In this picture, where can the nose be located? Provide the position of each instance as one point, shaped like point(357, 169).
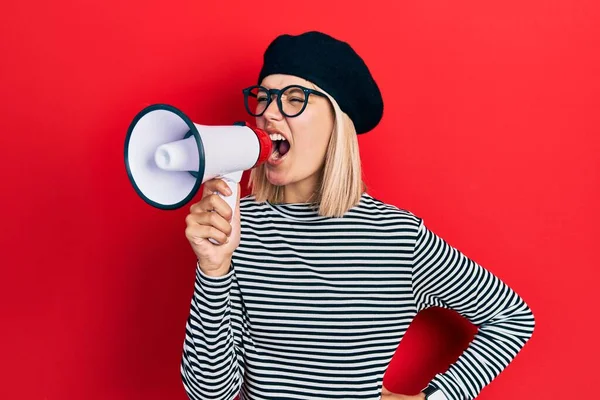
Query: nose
point(272, 112)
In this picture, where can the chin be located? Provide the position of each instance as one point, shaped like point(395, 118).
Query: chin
point(276, 178)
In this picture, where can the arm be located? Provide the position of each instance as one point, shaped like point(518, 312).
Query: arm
point(444, 277)
point(210, 368)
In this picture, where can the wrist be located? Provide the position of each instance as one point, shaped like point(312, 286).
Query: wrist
point(432, 392)
point(216, 272)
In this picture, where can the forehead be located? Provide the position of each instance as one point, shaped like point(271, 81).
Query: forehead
point(278, 81)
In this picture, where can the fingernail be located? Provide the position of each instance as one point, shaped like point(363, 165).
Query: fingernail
point(229, 192)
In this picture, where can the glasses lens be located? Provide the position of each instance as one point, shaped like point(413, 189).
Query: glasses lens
point(292, 101)
point(256, 100)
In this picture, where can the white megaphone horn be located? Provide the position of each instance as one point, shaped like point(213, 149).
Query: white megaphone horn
point(168, 157)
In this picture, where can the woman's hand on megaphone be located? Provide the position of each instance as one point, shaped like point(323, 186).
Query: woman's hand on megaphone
point(212, 217)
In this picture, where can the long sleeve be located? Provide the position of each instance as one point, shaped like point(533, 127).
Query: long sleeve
point(211, 366)
point(444, 277)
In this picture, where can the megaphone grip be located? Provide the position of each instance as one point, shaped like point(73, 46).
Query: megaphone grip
point(232, 181)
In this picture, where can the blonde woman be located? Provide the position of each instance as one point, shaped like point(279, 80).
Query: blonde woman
point(315, 282)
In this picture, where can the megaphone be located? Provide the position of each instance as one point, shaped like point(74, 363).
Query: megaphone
point(168, 157)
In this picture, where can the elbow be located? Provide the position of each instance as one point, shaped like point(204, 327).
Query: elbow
point(530, 321)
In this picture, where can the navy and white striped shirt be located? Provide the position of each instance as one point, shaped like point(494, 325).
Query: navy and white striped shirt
point(315, 307)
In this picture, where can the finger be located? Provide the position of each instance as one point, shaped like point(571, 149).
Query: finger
point(199, 233)
point(209, 219)
point(213, 202)
point(219, 205)
point(216, 185)
point(199, 207)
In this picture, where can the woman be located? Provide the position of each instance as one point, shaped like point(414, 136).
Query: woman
point(315, 282)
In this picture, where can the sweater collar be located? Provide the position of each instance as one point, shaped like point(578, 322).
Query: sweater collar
point(303, 211)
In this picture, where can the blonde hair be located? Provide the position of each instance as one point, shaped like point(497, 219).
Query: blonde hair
point(340, 182)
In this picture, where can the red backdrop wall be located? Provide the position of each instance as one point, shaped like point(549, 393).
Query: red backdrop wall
point(490, 133)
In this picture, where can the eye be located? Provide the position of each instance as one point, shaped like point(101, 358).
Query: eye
point(296, 100)
point(261, 98)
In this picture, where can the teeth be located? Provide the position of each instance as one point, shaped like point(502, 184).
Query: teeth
point(276, 136)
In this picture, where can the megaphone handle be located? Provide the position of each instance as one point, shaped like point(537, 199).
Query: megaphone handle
point(232, 181)
point(231, 199)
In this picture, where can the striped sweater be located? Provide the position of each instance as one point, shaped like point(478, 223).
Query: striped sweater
point(315, 307)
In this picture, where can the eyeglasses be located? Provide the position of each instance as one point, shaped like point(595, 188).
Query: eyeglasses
point(291, 100)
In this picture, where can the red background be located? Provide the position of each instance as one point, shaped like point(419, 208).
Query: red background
point(490, 134)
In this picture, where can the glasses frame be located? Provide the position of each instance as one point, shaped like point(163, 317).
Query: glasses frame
point(277, 92)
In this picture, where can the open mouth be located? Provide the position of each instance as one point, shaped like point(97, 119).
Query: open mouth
point(280, 146)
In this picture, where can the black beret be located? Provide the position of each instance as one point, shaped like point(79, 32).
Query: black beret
point(332, 65)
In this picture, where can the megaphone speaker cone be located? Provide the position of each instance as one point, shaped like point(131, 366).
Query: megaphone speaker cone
point(162, 146)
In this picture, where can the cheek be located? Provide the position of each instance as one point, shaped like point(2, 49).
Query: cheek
point(260, 122)
point(312, 132)
point(311, 149)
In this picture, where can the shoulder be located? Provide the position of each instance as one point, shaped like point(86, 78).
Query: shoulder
point(371, 207)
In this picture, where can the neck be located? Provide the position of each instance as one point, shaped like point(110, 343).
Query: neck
point(302, 191)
